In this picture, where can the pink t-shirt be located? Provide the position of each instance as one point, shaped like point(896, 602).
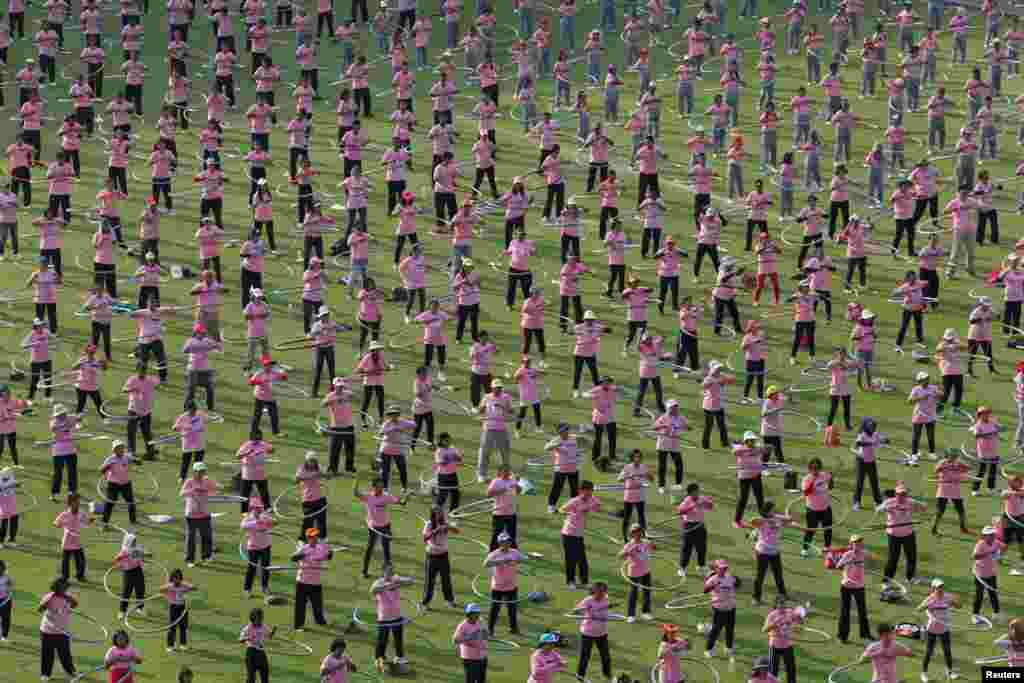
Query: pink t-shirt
point(924, 409)
point(71, 523)
point(196, 493)
point(576, 514)
point(257, 528)
point(504, 493)
point(312, 562)
point(595, 616)
point(638, 558)
point(504, 568)
point(377, 515)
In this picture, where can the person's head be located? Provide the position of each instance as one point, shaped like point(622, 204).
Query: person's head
point(198, 470)
point(73, 501)
point(312, 536)
point(176, 576)
point(901, 490)
point(983, 176)
point(721, 567)
point(636, 532)
point(256, 616)
point(59, 585)
point(983, 414)
point(599, 589)
point(814, 465)
point(338, 646)
point(377, 485)
point(586, 489)
point(1015, 629)
point(120, 638)
point(636, 456)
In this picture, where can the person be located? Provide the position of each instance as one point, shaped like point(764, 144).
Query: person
point(175, 591)
point(839, 386)
point(502, 563)
point(604, 398)
point(446, 461)
point(851, 560)
point(310, 557)
point(495, 408)
point(199, 373)
point(435, 536)
point(37, 343)
point(263, 382)
point(9, 522)
point(816, 486)
point(115, 471)
point(63, 451)
point(387, 593)
point(393, 434)
point(938, 604)
point(378, 519)
point(565, 451)
point(56, 608)
point(637, 570)
point(979, 335)
point(923, 397)
point(252, 455)
point(308, 476)
point(255, 635)
point(769, 527)
point(526, 377)
point(593, 613)
point(471, 638)
point(257, 524)
point(1013, 643)
point(722, 585)
point(713, 384)
point(883, 654)
point(947, 352)
point(71, 521)
point(131, 561)
point(337, 665)
point(341, 430)
point(899, 511)
point(196, 491)
point(949, 474)
point(192, 426)
point(573, 544)
point(546, 661)
point(779, 625)
point(750, 459)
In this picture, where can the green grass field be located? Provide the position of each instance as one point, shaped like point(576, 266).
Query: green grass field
point(220, 608)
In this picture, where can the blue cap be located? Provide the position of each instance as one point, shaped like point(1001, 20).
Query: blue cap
point(548, 639)
point(472, 608)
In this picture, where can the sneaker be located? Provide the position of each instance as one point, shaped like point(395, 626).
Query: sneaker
point(804, 552)
point(480, 479)
point(191, 565)
point(517, 432)
point(551, 509)
point(44, 678)
point(248, 594)
point(453, 604)
point(575, 393)
point(661, 490)
point(677, 487)
point(855, 506)
point(924, 677)
point(933, 456)
point(918, 580)
point(977, 620)
point(681, 573)
point(170, 649)
point(11, 544)
point(183, 648)
point(442, 377)
point(571, 585)
point(121, 616)
point(407, 319)
point(708, 654)
point(630, 620)
point(952, 675)
point(647, 616)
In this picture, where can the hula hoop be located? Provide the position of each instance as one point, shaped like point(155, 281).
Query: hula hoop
point(403, 622)
point(673, 532)
point(802, 435)
point(835, 522)
point(478, 507)
point(301, 649)
point(652, 587)
point(83, 615)
point(612, 616)
point(151, 498)
point(160, 630)
point(321, 428)
point(842, 670)
point(689, 601)
point(820, 635)
point(388, 537)
point(275, 508)
point(525, 594)
point(113, 418)
point(715, 676)
point(111, 593)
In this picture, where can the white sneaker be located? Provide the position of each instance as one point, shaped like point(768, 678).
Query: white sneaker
point(551, 509)
point(44, 678)
point(661, 490)
point(681, 573)
point(571, 585)
point(183, 648)
point(442, 377)
point(170, 649)
point(933, 456)
point(856, 506)
point(804, 552)
point(190, 565)
point(407, 320)
point(647, 616)
point(10, 544)
point(575, 393)
point(480, 479)
point(677, 487)
point(709, 653)
point(120, 616)
point(918, 580)
point(952, 675)
point(630, 620)
point(977, 620)
point(703, 571)
point(924, 677)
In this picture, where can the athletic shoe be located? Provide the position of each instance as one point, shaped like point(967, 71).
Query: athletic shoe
point(681, 573)
point(647, 616)
point(661, 490)
point(924, 677)
point(952, 675)
point(170, 649)
point(918, 580)
point(183, 648)
point(977, 620)
point(677, 487)
point(630, 620)
point(709, 653)
point(551, 509)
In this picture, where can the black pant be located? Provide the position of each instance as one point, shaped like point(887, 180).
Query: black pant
point(905, 225)
point(723, 306)
point(677, 460)
point(854, 264)
point(834, 209)
point(575, 553)
point(60, 463)
point(577, 373)
point(413, 294)
point(650, 242)
point(536, 416)
point(65, 564)
point(559, 481)
point(216, 207)
point(478, 386)
point(395, 190)
point(510, 599)
point(314, 514)
point(711, 250)
point(384, 631)
point(940, 510)
point(918, 318)
point(324, 19)
point(986, 218)
point(445, 207)
point(816, 518)
point(556, 197)
point(40, 371)
point(586, 645)
point(671, 284)
point(616, 274)
point(48, 311)
point(187, 458)
point(659, 397)
point(929, 649)
point(755, 371)
point(213, 263)
point(915, 439)
point(800, 331)
point(448, 490)
point(400, 242)
point(1011, 316)
point(424, 419)
point(599, 432)
point(952, 385)
point(869, 470)
point(155, 349)
point(784, 655)
point(472, 314)
point(382, 533)
point(897, 545)
point(518, 279)
point(722, 619)
point(746, 485)
point(834, 407)
point(261, 486)
point(973, 347)
point(386, 461)
point(200, 378)
point(369, 391)
point(475, 669)
point(55, 644)
point(256, 664)
point(143, 423)
point(9, 529)
point(259, 406)
point(710, 418)
point(504, 523)
point(982, 467)
point(102, 331)
point(5, 618)
point(634, 591)
point(979, 593)
point(133, 582)
point(687, 350)
point(314, 595)
point(21, 178)
point(115, 491)
point(931, 204)
point(438, 565)
point(627, 516)
point(646, 181)
point(695, 538)
point(343, 437)
point(204, 527)
point(846, 597)
point(595, 169)
point(563, 312)
point(607, 213)
point(773, 444)
point(764, 562)
point(368, 329)
point(324, 355)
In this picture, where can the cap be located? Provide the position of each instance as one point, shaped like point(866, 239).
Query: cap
point(988, 531)
point(497, 383)
point(772, 390)
point(761, 664)
point(749, 436)
point(722, 564)
point(571, 202)
point(467, 263)
point(938, 583)
point(338, 382)
point(376, 346)
point(408, 196)
point(59, 409)
point(504, 537)
point(548, 639)
point(856, 538)
point(322, 311)
point(812, 263)
point(310, 455)
point(198, 328)
point(901, 487)
point(90, 347)
point(949, 334)
point(312, 533)
point(150, 256)
point(393, 410)
point(714, 366)
point(117, 443)
point(672, 404)
point(982, 410)
point(472, 608)
point(921, 376)
point(635, 527)
point(315, 260)
point(199, 467)
point(589, 315)
point(985, 301)
point(563, 427)
point(866, 314)
point(266, 360)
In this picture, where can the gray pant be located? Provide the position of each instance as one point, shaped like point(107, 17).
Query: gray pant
point(736, 180)
point(803, 129)
point(963, 249)
point(965, 167)
point(989, 143)
point(769, 147)
point(490, 440)
point(684, 98)
point(257, 343)
point(876, 184)
point(1018, 438)
point(937, 133)
point(841, 149)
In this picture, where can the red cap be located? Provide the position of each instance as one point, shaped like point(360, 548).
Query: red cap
point(266, 360)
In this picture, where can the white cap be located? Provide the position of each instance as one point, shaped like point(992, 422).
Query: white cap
point(376, 346)
point(322, 311)
point(749, 436)
point(938, 583)
point(672, 404)
point(256, 292)
point(714, 366)
point(985, 301)
point(59, 409)
point(950, 333)
point(589, 315)
point(866, 314)
point(116, 444)
point(988, 531)
point(921, 376)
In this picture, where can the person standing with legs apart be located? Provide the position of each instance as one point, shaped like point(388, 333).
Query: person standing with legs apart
point(668, 428)
point(851, 560)
point(722, 586)
point(378, 519)
point(255, 635)
point(750, 459)
point(635, 477)
point(471, 638)
point(695, 534)
point(779, 625)
point(175, 591)
point(257, 524)
point(387, 594)
point(899, 511)
point(56, 609)
point(63, 450)
point(310, 557)
point(769, 527)
point(593, 614)
point(71, 521)
point(503, 565)
point(713, 384)
point(115, 471)
point(196, 492)
point(573, 544)
point(949, 474)
point(435, 537)
point(938, 604)
point(987, 552)
point(816, 488)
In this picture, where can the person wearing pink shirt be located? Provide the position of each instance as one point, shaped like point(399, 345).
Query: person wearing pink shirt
point(565, 451)
point(712, 387)
point(252, 455)
point(722, 586)
point(769, 527)
point(840, 367)
point(45, 281)
point(979, 334)
point(767, 252)
point(531, 323)
point(947, 353)
point(1012, 277)
point(387, 594)
point(519, 251)
point(603, 398)
point(899, 509)
point(855, 234)
point(341, 430)
point(72, 521)
point(691, 511)
point(481, 358)
point(371, 367)
point(115, 471)
point(56, 607)
point(949, 474)
point(192, 426)
point(311, 557)
point(378, 519)
point(938, 605)
point(141, 394)
point(470, 637)
point(435, 535)
point(526, 377)
point(323, 336)
point(670, 650)
point(196, 491)
point(175, 591)
point(986, 432)
point(130, 560)
point(337, 666)
point(263, 382)
point(394, 436)
point(37, 343)
point(593, 613)
point(257, 524)
point(588, 335)
point(816, 487)
point(446, 463)
point(87, 380)
point(636, 554)
point(573, 544)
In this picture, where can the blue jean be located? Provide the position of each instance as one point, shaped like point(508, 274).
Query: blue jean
point(608, 21)
point(749, 8)
point(567, 26)
point(348, 55)
point(421, 57)
point(525, 23)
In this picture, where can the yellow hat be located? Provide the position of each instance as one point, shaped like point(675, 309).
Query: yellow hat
point(772, 390)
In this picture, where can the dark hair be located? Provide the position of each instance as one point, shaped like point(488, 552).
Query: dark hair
point(586, 485)
point(256, 615)
point(884, 627)
point(338, 644)
point(692, 488)
point(176, 574)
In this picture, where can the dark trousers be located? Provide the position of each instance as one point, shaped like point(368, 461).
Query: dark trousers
point(918, 318)
point(599, 431)
point(867, 470)
point(115, 491)
point(947, 649)
point(156, 350)
point(49, 312)
point(905, 226)
point(178, 615)
point(475, 669)
point(801, 331)
point(559, 481)
point(723, 306)
point(575, 554)
point(144, 424)
point(261, 486)
point(65, 564)
point(510, 599)
point(324, 356)
point(1011, 317)
point(979, 593)
point(897, 545)
point(991, 478)
point(204, 528)
point(595, 170)
point(424, 420)
point(400, 242)
point(650, 242)
point(445, 207)
point(746, 486)
point(478, 386)
point(931, 204)
point(200, 378)
point(384, 631)
point(438, 565)
point(973, 347)
point(952, 385)
point(616, 274)
point(472, 314)
point(587, 643)
point(846, 597)
point(774, 445)
point(722, 620)
point(577, 373)
point(777, 655)
point(710, 418)
point(834, 210)
point(40, 371)
point(695, 539)
point(671, 284)
point(687, 351)
point(764, 562)
point(940, 510)
point(915, 439)
point(815, 519)
point(377, 533)
point(448, 491)
point(518, 279)
point(314, 595)
point(314, 515)
point(369, 391)
point(635, 583)
point(985, 219)
point(55, 645)
point(344, 438)
point(133, 582)
point(556, 197)
point(270, 407)
point(60, 463)
point(256, 665)
point(399, 462)
point(9, 531)
point(755, 372)
point(677, 460)
point(834, 408)
point(659, 396)
point(563, 312)
point(627, 516)
point(101, 331)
